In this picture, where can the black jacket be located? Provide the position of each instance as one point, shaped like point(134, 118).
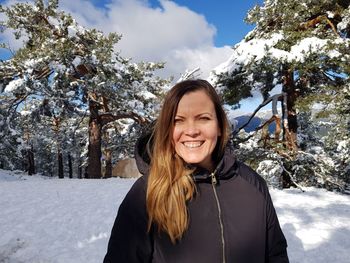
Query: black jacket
point(231, 221)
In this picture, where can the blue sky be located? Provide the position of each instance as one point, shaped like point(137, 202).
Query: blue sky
point(227, 16)
point(184, 34)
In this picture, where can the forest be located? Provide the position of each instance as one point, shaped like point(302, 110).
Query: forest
point(72, 106)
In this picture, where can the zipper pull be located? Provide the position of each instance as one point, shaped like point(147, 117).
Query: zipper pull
point(213, 178)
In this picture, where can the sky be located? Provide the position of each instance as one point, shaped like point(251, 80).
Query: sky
point(184, 34)
point(227, 16)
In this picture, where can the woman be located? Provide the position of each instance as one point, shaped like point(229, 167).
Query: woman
point(194, 202)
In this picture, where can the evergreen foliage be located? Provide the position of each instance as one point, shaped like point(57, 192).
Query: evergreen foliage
point(10, 140)
point(74, 83)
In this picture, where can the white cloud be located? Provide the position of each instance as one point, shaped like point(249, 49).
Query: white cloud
point(205, 57)
point(7, 36)
point(171, 33)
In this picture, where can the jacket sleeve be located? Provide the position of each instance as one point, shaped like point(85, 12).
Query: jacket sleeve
point(276, 242)
point(129, 241)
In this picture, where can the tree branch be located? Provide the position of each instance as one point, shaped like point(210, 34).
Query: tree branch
point(274, 98)
point(290, 176)
point(109, 117)
point(313, 22)
point(16, 102)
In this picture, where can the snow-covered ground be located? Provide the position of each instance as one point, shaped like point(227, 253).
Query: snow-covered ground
point(50, 220)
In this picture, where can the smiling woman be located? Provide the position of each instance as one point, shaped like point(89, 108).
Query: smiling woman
point(195, 202)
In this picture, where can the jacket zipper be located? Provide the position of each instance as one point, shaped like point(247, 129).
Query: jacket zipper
point(213, 183)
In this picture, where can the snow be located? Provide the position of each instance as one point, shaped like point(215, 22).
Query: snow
point(58, 67)
point(13, 85)
point(306, 45)
point(25, 112)
point(342, 25)
point(342, 145)
point(31, 63)
point(70, 93)
point(74, 30)
point(271, 171)
point(330, 14)
point(146, 95)
point(245, 51)
point(69, 220)
point(253, 50)
point(137, 105)
point(51, 220)
point(76, 61)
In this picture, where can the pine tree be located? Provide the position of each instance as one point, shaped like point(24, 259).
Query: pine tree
point(71, 69)
point(302, 46)
point(10, 139)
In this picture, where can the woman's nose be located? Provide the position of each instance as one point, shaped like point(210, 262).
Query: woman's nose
point(191, 130)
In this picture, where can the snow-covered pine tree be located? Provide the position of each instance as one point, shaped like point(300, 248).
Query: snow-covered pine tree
point(73, 69)
point(337, 142)
point(301, 48)
point(10, 139)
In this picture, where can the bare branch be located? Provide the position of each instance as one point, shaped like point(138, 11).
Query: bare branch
point(290, 176)
point(274, 99)
point(16, 102)
point(313, 22)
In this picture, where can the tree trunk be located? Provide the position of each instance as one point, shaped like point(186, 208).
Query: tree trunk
point(94, 149)
point(70, 166)
point(60, 164)
point(30, 160)
point(96, 122)
point(289, 88)
point(108, 169)
point(86, 172)
point(80, 171)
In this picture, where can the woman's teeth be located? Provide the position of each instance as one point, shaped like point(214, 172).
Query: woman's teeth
point(192, 144)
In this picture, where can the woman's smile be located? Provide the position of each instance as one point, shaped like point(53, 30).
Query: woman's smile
point(193, 144)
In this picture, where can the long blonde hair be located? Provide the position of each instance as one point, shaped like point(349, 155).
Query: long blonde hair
point(170, 185)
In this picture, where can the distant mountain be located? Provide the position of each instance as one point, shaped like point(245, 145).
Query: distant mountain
point(258, 120)
point(253, 124)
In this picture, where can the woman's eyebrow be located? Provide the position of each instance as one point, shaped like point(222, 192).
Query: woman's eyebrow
point(199, 114)
point(205, 113)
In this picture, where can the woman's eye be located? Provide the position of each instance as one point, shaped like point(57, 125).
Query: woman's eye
point(177, 120)
point(204, 118)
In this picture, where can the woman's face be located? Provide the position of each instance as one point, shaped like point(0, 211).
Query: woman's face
point(196, 129)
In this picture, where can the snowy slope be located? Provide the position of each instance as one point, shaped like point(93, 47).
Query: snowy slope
point(51, 220)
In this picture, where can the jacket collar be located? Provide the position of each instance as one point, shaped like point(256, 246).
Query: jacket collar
point(225, 169)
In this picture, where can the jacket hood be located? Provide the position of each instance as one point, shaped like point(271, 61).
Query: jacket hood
point(225, 169)
point(142, 153)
